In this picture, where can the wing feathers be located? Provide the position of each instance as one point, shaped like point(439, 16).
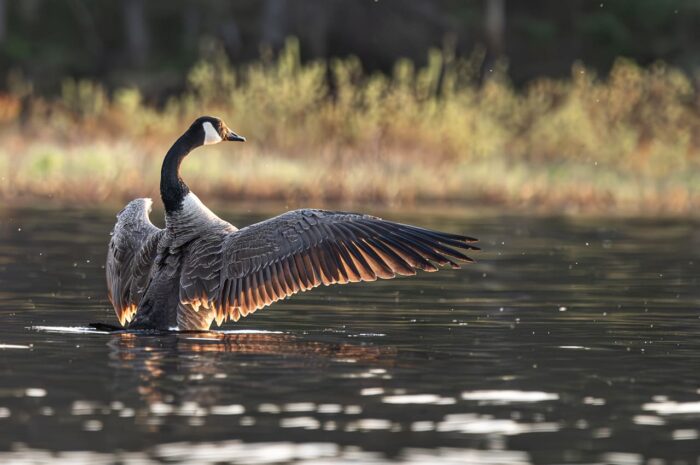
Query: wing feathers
point(303, 249)
point(131, 253)
point(364, 269)
point(410, 255)
point(349, 267)
point(291, 276)
point(381, 269)
point(396, 262)
point(300, 270)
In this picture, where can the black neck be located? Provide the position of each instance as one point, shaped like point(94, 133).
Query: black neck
point(172, 188)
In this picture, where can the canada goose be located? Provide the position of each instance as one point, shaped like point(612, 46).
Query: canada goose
point(201, 269)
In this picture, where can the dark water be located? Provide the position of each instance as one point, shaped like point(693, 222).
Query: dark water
point(571, 341)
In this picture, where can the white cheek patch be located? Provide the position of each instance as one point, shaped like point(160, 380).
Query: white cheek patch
point(211, 135)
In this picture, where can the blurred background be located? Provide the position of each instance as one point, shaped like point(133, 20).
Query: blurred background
point(561, 106)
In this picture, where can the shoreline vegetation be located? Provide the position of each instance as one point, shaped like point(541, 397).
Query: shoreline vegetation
point(327, 132)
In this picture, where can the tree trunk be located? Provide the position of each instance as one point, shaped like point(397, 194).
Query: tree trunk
point(495, 22)
point(273, 23)
point(3, 20)
point(136, 31)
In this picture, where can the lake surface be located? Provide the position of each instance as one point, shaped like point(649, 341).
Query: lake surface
point(570, 341)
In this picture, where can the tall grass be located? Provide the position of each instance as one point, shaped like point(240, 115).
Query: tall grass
point(330, 131)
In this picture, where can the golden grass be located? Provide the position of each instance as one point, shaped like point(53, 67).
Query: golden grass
point(629, 142)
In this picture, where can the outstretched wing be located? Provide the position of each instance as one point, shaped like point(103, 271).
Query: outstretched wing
point(132, 250)
point(302, 249)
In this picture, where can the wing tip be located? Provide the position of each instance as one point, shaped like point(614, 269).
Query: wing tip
point(125, 315)
point(137, 208)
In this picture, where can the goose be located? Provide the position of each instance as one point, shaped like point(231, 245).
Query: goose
point(200, 269)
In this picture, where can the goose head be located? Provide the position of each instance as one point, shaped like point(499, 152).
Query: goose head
point(207, 130)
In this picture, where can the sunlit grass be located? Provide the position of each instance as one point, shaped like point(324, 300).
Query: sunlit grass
point(628, 142)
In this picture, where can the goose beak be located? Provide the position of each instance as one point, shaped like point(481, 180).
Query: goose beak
point(232, 136)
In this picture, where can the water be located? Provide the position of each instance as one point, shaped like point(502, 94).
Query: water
point(571, 341)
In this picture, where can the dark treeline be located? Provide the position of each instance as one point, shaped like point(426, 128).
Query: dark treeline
point(152, 43)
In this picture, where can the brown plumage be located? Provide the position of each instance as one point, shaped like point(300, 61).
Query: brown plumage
point(201, 269)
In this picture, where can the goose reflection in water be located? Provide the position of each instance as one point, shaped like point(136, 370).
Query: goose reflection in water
point(158, 365)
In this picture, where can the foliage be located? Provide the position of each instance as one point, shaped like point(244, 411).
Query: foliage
point(329, 130)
